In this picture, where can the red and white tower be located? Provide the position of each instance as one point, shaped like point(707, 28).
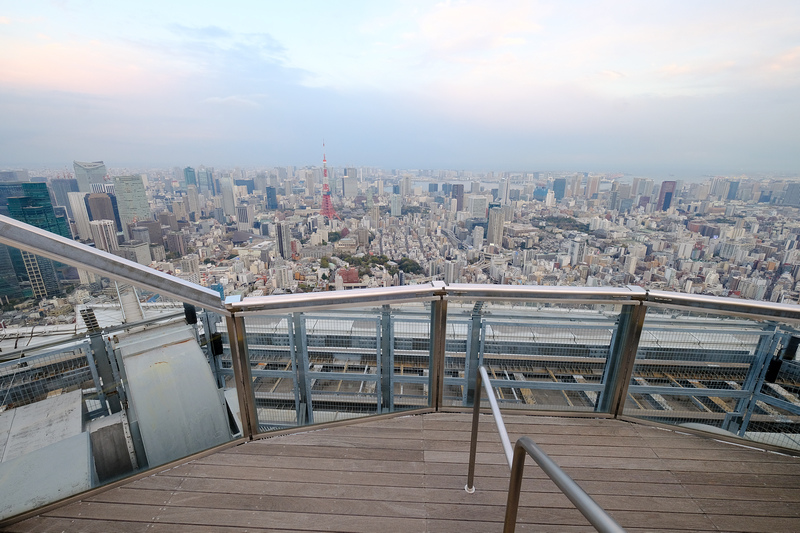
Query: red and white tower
point(327, 209)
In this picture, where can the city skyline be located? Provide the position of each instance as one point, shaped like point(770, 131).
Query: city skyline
point(659, 89)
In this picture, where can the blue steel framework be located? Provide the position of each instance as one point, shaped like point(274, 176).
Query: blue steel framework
point(617, 352)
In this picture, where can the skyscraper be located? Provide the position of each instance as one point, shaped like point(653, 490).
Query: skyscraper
point(559, 188)
point(228, 200)
point(132, 201)
point(458, 194)
point(60, 188)
point(665, 196)
point(284, 240)
point(503, 192)
point(495, 230)
point(88, 173)
point(189, 176)
point(80, 214)
point(104, 235)
point(101, 208)
point(397, 205)
point(35, 208)
point(272, 198)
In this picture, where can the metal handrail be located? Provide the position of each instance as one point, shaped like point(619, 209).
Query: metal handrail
point(46, 244)
point(596, 515)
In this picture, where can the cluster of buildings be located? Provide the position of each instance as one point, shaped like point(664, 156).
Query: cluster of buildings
point(272, 230)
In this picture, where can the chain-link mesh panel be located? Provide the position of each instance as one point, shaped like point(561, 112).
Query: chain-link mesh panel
point(697, 368)
point(411, 345)
point(32, 378)
point(775, 415)
point(543, 356)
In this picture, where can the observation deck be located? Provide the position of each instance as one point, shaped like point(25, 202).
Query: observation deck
point(348, 411)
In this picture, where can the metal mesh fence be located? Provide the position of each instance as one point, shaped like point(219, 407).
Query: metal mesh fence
point(703, 369)
point(332, 365)
point(32, 378)
point(543, 356)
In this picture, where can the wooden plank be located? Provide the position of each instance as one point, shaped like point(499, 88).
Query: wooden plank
point(319, 463)
point(410, 477)
point(755, 523)
point(308, 521)
point(329, 450)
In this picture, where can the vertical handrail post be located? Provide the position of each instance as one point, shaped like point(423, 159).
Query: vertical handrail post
point(473, 440)
point(240, 360)
point(473, 357)
point(514, 489)
point(303, 365)
point(621, 359)
point(386, 360)
point(437, 352)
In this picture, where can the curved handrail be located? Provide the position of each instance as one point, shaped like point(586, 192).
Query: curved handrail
point(596, 515)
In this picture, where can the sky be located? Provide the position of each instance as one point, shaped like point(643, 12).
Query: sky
point(677, 88)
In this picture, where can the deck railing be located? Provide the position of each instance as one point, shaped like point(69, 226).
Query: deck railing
point(596, 515)
point(715, 364)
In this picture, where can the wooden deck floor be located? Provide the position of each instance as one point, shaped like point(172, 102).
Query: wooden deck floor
point(408, 474)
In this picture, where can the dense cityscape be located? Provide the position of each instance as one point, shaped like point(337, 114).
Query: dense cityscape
point(253, 232)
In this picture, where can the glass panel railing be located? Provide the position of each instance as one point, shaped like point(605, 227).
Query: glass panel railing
point(707, 371)
point(107, 402)
point(539, 356)
point(323, 366)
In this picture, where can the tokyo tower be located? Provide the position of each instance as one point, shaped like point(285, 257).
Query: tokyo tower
point(327, 209)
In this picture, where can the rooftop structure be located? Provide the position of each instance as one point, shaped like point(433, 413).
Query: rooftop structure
point(609, 380)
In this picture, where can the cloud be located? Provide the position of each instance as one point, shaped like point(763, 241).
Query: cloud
point(234, 100)
point(5, 20)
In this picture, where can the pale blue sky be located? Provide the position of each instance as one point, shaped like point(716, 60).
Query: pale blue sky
point(658, 87)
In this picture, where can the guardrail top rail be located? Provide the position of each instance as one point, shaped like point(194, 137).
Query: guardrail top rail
point(596, 515)
point(46, 244)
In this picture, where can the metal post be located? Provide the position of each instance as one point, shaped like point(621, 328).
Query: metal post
point(589, 508)
point(102, 359)
point(437, 352)
point(386, 360)
point(473, 440)
point(98, 383)
point(210, 328)
point(242, 375)
point(303, 381)
point(621, 359)
point(473, 357)
point(755, 380)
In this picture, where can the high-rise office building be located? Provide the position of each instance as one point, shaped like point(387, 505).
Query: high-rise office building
point(559, 188)
point(349, 187)
point(396, 205)
point(131, 201)
point(666, 195)
point(60, 188)
point(101, 208)
point(477, 206)
point(477, 237)
point(284, 240)
point(272, 198)
point(193, 198)
point(189, 176)
point(228, 200)
point(458, 194)
point(80, 214)
point(104, 235)
point(495, 230)
point(504, 191)
point(791, 195)
point(592, 186)
point(88, 173)
point(205, 180)
point(34, 207)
